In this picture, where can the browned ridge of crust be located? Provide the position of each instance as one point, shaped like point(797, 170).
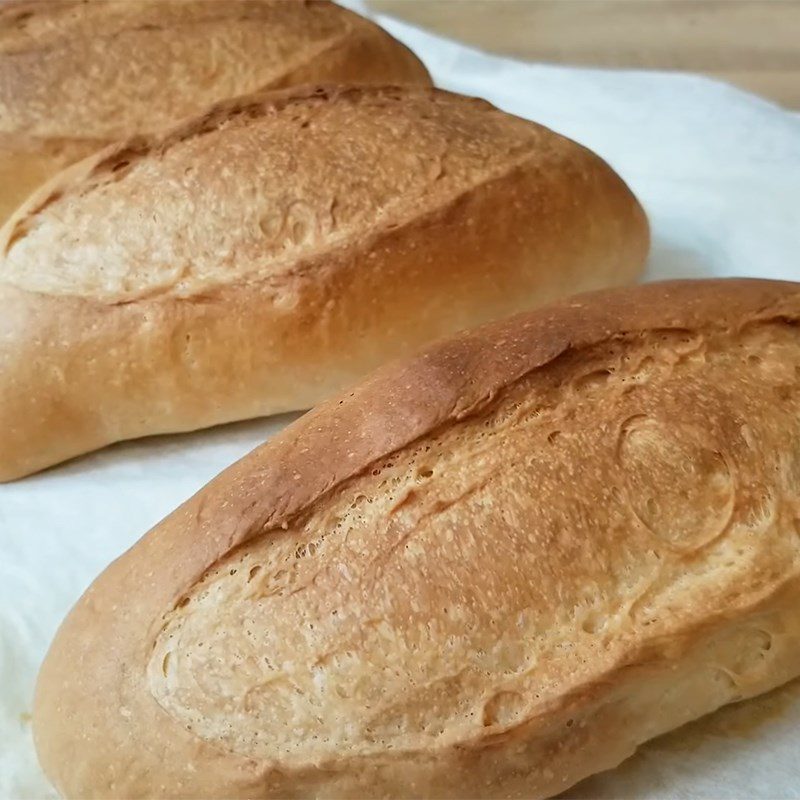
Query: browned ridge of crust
point(261, 256)
point(489, 570)
point(75, 76)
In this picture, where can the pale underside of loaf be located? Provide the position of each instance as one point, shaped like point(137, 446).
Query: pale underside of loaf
point(488, 572)
point(75, 76)
point(264, 255)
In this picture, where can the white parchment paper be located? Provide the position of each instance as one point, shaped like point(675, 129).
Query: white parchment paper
point(718, 171)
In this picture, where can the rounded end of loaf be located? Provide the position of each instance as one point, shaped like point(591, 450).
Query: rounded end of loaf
point(367, 56)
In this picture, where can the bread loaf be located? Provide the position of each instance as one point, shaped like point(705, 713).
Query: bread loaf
point(76, 75)
point(271, 251)
point(487, 571)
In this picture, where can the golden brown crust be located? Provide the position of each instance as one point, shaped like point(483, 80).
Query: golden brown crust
point(592, 509)
point(79, 74)
point(260, 257)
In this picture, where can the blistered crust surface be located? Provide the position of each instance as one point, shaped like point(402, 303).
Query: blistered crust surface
point(460, 586)
point(149, 62)
point(253, 191)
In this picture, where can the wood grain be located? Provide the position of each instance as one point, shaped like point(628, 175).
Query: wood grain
point(754, 44)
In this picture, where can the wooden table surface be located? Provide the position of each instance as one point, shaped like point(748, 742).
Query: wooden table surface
point(752, 43)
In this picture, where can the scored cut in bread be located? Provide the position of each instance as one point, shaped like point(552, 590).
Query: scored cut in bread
point(487, 571)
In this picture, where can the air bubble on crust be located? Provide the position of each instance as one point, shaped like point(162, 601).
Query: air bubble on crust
point(503, 709)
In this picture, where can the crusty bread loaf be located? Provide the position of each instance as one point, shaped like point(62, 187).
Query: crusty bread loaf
point(487, 571)
point(76, 75)
point(268, 253)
